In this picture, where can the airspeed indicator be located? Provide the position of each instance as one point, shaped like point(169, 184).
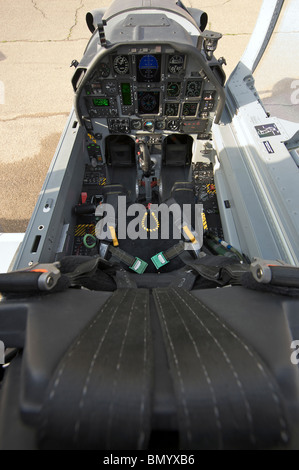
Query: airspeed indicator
point(121, 64)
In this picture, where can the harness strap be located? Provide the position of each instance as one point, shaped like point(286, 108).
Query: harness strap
point(216, 377)
point(221, 275)
point(100, 394)
point(136, 264)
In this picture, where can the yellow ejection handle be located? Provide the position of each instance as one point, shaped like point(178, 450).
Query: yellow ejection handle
point(113, 235)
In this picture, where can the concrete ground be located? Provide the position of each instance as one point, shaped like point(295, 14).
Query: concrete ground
point(38, 41)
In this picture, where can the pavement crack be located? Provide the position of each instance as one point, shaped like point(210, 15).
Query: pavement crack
point(34, 3)
point(236, 34)
point(75, 21)
point(34, 116)
point(34, 41)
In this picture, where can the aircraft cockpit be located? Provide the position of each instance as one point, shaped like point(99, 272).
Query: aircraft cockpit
point(153, 303)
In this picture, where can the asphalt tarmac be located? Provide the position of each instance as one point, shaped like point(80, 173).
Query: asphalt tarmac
point(38, 41)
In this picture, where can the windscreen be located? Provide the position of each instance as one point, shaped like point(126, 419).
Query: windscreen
point(277, 75)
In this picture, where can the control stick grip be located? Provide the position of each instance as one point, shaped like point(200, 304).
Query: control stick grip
point(145, 157)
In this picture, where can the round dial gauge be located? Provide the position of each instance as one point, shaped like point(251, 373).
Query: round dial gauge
point(103, 69)
point(173, 89)
point(176, 63)
point(136, 124)
point(121, 64)
point(111, 88)
point(193, 88)
point(173, 125)
point(160, 125)
point(148, 102)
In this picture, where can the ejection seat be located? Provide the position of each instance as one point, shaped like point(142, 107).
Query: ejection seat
point(176, 170)
point(121, 165)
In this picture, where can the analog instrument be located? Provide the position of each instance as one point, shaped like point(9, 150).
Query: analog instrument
point(103, 70)
point(189, 109)
point(148, 102)
point(171, 109)
point(121, 65)
point(173, 89)
point(136, 124)
point(193, 88)
point(111, 88)
point(173, 125)
point(160, 125)
point(175, 63)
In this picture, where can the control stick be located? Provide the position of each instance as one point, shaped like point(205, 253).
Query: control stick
point(144, 158)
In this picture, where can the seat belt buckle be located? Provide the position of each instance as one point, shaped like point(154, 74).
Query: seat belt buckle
point(139, 266)
point(159, 260)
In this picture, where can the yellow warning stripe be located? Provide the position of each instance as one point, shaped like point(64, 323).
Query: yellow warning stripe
point(211, 188)
point(102, 181)
point(204, 221)
point(83, 229)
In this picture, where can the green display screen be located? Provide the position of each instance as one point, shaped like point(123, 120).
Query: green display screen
point(100, 102)
point(126, 94)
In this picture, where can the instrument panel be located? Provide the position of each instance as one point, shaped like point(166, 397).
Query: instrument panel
point(149, 89)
